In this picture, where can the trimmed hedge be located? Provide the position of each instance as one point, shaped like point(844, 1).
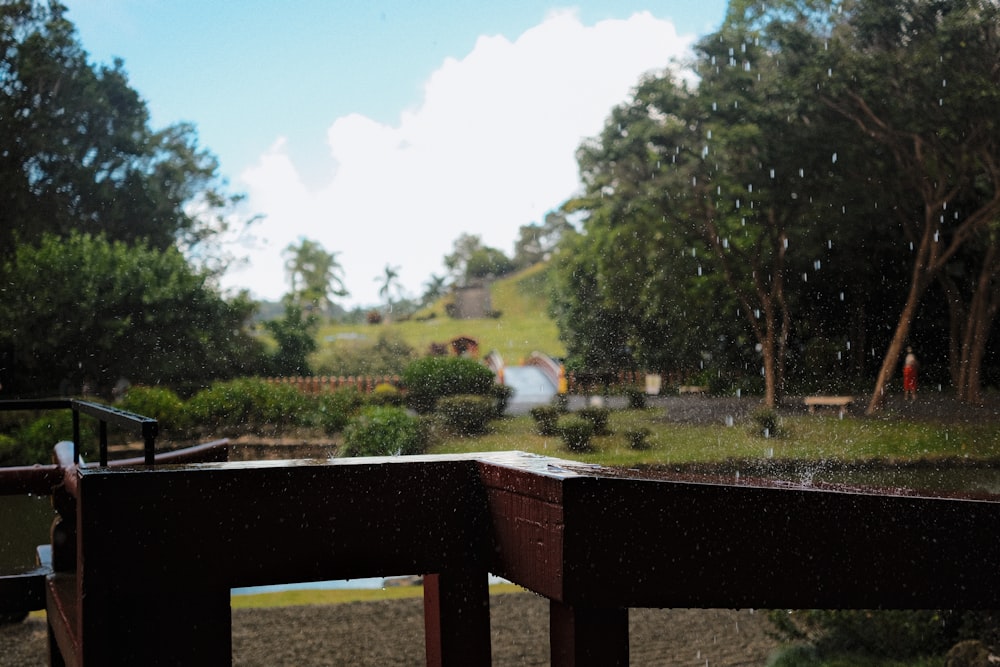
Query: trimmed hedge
point(431, 378)
point(383, 431)
point(576, 433)
point(466, 415)
point(250, 405)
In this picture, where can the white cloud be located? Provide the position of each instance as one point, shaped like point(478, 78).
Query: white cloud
point(491, 147)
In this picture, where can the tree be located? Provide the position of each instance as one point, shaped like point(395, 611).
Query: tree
point(389, 285)
point(434, 289)
point(535, 242)
point(79, 154)
point(471, 261)
point(295, 334)
point(314, 275)
point(919, 78)
point(82, 309)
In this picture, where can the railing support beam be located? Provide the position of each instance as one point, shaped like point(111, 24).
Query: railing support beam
point(457, 618)
point(587, 636)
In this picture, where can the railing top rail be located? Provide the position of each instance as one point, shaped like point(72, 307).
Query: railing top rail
point(146, 427)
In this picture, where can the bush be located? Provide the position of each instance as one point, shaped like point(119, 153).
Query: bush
point(386, 394)
point(383, 431)
point(546, 419)
point(335, 408)
point(637, 438)
point(431, 378)
point(598, 417)
point(502, 394)
point(34, 441)
point(636, 398)
point(250, 406)
point(158, 403)
point(766, 424)
point(576, 433)
point(882, 634)
point(466, 415)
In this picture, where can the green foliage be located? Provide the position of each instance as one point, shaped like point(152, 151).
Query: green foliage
point(637, 438)
point(383, 431)
point(249, 405)
point(430, 378)
point(83, 310)
point(501, 394)
point(636, 397)
point(35, 439)
point(598, 417)
point(466, 415)
point(295, 334)
point(576, 433)
point(767, 424)
point(871, 636)
point(335, 408)
point(355, 355)
point(386, 394)
point(546, 419)
point(159, 403)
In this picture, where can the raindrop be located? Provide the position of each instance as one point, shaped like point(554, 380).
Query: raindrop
point(848, 342)
point(715, 106)
point(786, 244)
point(834, 158)
point(737, 203)
point(842, 298)
point(750, 187)
point(805, 278)
point(944, 83)
point(829, 72)
point(772, 173)
point(829, 244)
point(935, 237)
point(816, 265)
point(725, 243)
point(699, 269)
point(802, 173)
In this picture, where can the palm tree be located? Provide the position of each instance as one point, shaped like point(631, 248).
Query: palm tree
point(390, 285)
point(315, 275)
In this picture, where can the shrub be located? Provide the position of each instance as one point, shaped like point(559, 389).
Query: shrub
point(430, 378)
point(250, 405)
point(335, 408)
point(466, 415)
point(383, 431)
point(576, 433)
point(598, 417)
point(159, 403)
point(636, 398)
point(502, 394)
point(766, 423)
point(386, 394)
point(34, 441)
point(637, 438)
point(546, 419)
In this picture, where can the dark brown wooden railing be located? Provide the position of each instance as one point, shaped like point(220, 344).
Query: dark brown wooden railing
point(143, 558)
point(157, 550)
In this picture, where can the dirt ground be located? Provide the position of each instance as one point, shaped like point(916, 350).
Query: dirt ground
point(391, 633)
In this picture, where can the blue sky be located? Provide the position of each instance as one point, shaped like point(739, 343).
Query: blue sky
point(383, 130)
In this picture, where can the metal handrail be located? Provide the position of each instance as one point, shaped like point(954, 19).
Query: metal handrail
point(145, 427)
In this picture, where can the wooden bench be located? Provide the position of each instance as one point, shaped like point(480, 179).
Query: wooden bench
point(839, 402)
point(691, 389)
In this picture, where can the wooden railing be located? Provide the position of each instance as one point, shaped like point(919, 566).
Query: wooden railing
point(144, 564)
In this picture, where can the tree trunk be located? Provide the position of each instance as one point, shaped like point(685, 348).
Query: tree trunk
point(982, 311)
point(918, 286)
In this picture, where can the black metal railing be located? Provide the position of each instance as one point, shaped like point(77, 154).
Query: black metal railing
point(144, 427)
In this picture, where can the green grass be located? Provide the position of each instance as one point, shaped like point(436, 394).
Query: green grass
point(808, 437)
point(523, 327)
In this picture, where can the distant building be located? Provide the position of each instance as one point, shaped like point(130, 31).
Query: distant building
point(471, 302)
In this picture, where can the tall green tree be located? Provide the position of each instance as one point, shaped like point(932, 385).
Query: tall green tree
point(81, 309)
point(389, 285)
point(919, 78)
point(315, 275)
point(78, 153)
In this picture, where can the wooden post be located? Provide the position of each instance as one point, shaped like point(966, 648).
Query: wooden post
point(587, 636)
point(457, 618)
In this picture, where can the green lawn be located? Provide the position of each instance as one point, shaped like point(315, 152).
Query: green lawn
point(523, 326)
point(807, 437)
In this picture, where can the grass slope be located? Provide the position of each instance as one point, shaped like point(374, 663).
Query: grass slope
point(523, 327)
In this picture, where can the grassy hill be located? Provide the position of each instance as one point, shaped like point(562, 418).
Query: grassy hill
point(523, 327)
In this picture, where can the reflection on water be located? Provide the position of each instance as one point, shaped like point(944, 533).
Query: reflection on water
point(24, 524)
